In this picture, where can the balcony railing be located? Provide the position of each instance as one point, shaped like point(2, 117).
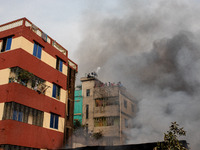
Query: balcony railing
point(45, 37)
point(72, 64)
point(27, 79)
point(11, 25)
point(35, 29)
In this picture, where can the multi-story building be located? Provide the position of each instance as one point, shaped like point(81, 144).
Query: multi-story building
point(78, 102)
point(36, 87)
point(107, 109)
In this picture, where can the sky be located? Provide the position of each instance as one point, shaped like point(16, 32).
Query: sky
point(62, 20)
point(152, 47)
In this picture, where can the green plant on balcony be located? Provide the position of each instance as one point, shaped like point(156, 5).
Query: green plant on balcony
point(25, 75)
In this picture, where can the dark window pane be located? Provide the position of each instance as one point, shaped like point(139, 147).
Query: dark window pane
point(8, 44)
point(51, 120)
point(35, 50)
point(39, 52)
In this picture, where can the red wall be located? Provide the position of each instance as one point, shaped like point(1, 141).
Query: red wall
point(31, 36)
point(26, 61)
point(18, 93)
point(19, 133)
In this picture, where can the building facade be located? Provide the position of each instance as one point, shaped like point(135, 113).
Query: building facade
point(107, 109)
point(78, 102)
point(36, 83)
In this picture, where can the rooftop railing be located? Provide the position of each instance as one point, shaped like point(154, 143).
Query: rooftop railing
point(72, 64)
point(11, 25)
point(35, 29)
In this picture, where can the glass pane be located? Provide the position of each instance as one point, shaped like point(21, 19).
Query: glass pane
point(35, 49)
point(39, 52)
point(56, 122)
point(20, 116)
point(54, 91)
point(61, 65)
point(8, 44)
point(14, 115)
point(51, 120)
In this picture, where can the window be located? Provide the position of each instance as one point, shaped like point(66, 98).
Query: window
point(88, 92)
point(37, 50)
point(6, 44)
point(23, 113)
point(17, 113)
point(87, 111)
point(99, 102)
point(59, 64)
point(106, 121)
point(125, 103)
point(56, 91)
point(54, 121)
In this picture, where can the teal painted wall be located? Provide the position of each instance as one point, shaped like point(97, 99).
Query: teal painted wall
point(78, 105)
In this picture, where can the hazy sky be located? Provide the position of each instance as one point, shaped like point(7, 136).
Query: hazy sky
point(60, 19)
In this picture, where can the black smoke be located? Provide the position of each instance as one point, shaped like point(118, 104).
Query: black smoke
point(153, 49)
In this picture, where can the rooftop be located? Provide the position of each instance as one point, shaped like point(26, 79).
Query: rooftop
point(25, 22)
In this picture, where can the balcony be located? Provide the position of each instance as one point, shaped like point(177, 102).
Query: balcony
point(28, 80)
point(106, 111)
point(106, 91)
point(106, 107)
point(108, 130)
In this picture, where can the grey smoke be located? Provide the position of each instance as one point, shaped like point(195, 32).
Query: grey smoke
point(153, 48)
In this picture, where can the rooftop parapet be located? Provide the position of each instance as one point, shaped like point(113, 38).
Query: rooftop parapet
point(73, 65)
point(25, 22)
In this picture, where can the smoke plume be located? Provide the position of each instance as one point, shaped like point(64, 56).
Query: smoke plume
point(153, 48)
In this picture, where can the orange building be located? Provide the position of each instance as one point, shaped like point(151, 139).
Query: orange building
point(36, 84)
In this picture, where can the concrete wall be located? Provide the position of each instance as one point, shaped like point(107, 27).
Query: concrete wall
point(4, 73)
point(1, 110)
point(118, 110)
point(88, 100)
point(22, 42)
